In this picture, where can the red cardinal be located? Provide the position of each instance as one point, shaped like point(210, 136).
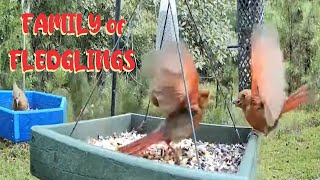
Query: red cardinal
point(264, 104)
point(168, 94)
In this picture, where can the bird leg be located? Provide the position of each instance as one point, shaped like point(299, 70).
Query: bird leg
point(140, 127)
point(154, 100)
point(175, 153)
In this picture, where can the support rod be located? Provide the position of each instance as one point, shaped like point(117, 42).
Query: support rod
point(114, 74)
point(24, 39)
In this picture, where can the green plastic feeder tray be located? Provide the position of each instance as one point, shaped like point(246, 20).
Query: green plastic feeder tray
point(56, 155)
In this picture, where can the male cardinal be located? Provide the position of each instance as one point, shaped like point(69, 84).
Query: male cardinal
point(168, 94)
point(19, 99)
point(264, 104)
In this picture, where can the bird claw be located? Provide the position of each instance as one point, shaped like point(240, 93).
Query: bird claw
point(140, 127)
point(177, 160)
point(253, 132)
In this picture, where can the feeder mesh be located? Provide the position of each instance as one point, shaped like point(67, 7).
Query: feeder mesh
point(250, 12)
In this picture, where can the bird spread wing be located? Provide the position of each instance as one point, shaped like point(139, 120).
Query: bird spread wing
point(268, 71)
point(163, 70)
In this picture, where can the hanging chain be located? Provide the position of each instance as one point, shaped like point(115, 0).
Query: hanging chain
point(185, 88)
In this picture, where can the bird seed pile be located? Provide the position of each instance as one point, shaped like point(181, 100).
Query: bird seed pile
point(213, 157)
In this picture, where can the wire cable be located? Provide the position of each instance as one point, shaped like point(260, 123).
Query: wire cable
point(100, 75)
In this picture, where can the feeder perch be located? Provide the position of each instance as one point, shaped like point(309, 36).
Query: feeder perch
point(56, 155)
point(45, 109)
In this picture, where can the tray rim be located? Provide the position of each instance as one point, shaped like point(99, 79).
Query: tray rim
point(244, 171)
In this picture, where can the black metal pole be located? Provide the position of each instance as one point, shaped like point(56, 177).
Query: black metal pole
point(114, 74)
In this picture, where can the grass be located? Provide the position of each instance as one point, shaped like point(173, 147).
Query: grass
point(292, 151)
point(14, 161)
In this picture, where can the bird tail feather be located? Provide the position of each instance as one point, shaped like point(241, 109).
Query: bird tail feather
point(143, 143)
point(303, 95)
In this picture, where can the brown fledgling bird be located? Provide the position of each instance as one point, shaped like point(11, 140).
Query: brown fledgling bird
point(168, 94)
point(266, 101)
point(19, 99)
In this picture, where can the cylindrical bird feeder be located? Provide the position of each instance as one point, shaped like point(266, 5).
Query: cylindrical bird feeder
point(248, 13)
